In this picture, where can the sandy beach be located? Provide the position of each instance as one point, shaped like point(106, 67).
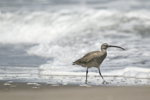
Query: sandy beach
point(24, 91)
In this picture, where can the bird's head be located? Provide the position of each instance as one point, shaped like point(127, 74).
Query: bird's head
point(105, 46)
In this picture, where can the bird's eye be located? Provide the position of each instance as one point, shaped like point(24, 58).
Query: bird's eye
point(106, 45)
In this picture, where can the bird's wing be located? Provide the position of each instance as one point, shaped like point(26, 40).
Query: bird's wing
point(88, 57)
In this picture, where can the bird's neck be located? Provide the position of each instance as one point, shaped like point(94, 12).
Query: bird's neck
point(103, 50)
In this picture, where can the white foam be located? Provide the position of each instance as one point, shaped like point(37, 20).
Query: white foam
point(128, 72)
point(45, 27)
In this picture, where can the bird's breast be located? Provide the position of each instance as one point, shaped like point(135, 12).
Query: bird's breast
point(101, 58)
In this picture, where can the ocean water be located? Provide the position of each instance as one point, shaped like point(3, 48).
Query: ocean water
point(39, 40)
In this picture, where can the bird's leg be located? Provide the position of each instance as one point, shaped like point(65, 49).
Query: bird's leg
point(102, 77)
point(86, 75)
point(100, 74)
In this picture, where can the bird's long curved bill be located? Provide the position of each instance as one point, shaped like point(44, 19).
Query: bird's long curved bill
point(116, 47)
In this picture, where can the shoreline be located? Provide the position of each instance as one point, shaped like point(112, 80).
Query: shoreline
point(11, 86)
point(24, 91)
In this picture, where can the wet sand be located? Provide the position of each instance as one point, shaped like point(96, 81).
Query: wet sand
point(24, 91)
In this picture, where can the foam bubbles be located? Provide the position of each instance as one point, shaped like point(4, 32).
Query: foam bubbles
point(46, 27)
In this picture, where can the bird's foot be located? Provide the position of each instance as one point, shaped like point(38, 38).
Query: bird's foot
point(87, 82)
point(104, 82)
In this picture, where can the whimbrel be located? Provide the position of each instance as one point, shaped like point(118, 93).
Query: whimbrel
point(94, 59)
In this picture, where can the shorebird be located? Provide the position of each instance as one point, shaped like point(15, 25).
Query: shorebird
point(94, 59)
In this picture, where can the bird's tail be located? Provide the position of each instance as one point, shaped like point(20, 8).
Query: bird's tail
point(77, 62)
point(74, 63)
